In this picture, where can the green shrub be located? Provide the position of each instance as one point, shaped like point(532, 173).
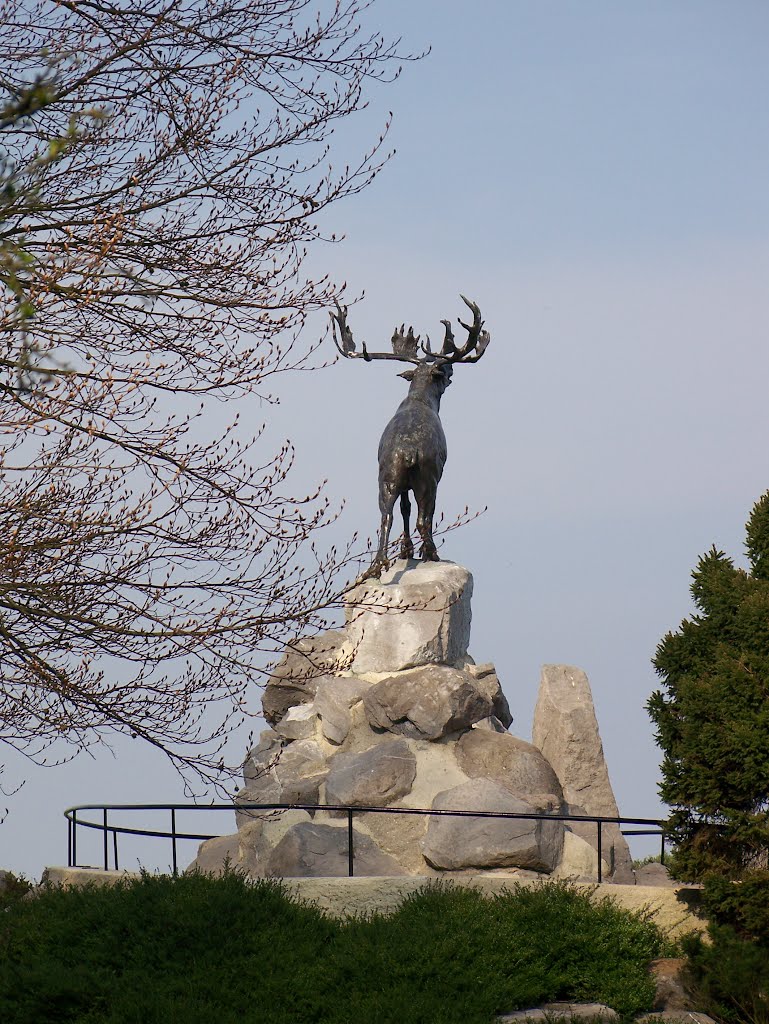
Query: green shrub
point(742, 905)
point(12, 888)
point(731, 975)
point(731, 968)
point(197, 949)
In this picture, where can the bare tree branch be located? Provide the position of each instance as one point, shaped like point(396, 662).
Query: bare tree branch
point(163, 168)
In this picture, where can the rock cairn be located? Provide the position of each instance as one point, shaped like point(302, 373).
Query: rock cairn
point(391, 711)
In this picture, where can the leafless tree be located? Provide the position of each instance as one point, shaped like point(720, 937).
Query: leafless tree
point(165, 164)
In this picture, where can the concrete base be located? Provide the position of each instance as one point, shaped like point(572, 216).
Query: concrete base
point(78, 878)
point(355, 897)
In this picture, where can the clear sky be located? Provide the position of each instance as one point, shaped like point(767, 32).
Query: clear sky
point(594, 174)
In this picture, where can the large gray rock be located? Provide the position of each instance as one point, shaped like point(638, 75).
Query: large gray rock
point(295, 679)
point(464, 842)
point(517, 765)
point(312, 850)
point(579, 860)
point(655, 874)
point(488, 683)
point(293, 776)
point(417, 614)
point(333, 700)
point(674, 989)
point(427, 702)
point(245, 851)
point(216, 855)
point(566, 731)
point(298, 723)
point(263, 756)
point(373, 778)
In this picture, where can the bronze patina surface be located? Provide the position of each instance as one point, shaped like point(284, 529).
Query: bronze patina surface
point(412, 451)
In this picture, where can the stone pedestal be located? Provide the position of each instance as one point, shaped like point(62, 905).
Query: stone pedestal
point(391, 711)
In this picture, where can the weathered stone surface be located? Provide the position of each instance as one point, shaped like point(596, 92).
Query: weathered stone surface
point(344, 690)
point(354, 897)
point(300, 771)
point(675, 1017)
point(563, 1011)
point(517, 765)
point(417, 614)
point(673, 988)
point(492, 724)
point(655, 874)
point(262, 756)
point(292, 776)
point(300, 760)
point(437, 770)
point(306, 661)
point(488, 683)
point(335, 721)
point(579, 860)
point(245, 850)
point(426, 703)
point(373, 778)
point(399, 835)
point(214, 853)
point(566, 731)
point(313, 850)
point(333, 700)
point(456, 843)
point(249, 849)
point(298, 723)
point(360, 736)
point(264, 790)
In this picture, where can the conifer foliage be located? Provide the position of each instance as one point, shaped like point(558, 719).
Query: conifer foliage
point(712, 715)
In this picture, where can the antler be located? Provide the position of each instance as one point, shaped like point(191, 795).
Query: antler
point(477, 339)
point(345, 344)
point(404, 345)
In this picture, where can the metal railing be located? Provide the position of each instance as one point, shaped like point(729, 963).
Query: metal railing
point(74, 822)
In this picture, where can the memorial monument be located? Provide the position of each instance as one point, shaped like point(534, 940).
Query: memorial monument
point(391, 711)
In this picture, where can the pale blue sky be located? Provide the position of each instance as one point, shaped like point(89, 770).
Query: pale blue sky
point(595, 175)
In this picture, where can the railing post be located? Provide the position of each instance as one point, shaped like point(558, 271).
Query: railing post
point(173, 840)
point(662, 848)
point(600, 852)
point(350, 870)
point(69, 842)
point(114, 847)
point(106, 839)
point(74, 840)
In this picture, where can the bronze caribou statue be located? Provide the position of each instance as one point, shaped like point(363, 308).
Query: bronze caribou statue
point(412, 451)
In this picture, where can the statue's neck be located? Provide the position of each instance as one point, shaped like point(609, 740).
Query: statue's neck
point(430, 397)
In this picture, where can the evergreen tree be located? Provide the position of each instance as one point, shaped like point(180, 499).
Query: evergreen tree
point(712, 717)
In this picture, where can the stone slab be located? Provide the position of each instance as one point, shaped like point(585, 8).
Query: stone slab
point(418, 613)
point(355, 897)
point(562, 1011)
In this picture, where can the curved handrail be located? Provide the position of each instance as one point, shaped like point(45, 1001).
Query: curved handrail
point(74, 822)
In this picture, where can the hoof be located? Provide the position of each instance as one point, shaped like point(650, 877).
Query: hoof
point(374, 571)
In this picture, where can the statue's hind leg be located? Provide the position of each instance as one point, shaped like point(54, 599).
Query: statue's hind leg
point(407, 546)
point(387, 495)
point(425, 496)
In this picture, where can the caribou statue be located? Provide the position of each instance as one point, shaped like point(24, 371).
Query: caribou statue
point(412, 451)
